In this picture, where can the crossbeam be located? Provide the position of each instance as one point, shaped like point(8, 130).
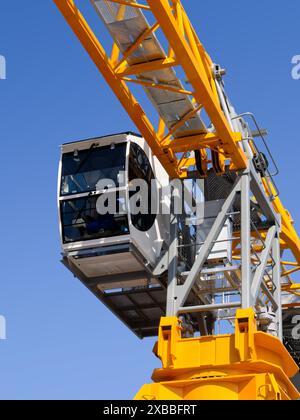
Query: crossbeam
point(183, 291)
point(131, 4)
point(264, 259)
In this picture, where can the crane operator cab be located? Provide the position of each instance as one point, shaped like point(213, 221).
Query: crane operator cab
point(114, 209)
point(110, 248)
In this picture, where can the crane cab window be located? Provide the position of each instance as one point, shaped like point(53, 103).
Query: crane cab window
point(81, 220)
point(82, 170)
point(140, 168)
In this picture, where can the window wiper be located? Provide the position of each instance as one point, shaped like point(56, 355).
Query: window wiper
point(90, 150)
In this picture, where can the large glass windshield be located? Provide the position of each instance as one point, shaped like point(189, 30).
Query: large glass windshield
point(81, 220)
point(82, 170)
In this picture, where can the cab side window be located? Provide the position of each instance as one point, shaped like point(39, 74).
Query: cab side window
point(140, 168)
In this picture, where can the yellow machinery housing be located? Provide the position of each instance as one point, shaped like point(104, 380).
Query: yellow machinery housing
point(247, 365)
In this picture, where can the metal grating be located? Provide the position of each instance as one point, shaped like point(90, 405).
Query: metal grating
point(126, 24)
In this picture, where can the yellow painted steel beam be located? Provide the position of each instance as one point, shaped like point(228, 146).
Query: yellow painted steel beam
point(147, 67)
point(167, 139)
point(161, 128)
point(291, 242)
point(198, 78)
point(179, 15)
point(198, 141)
point(131, 4)
point(200, 54)
point(112, 70)
point(186, 163)
point(97, 53)
point(288, 232)
point(207, 61)
point(292, 287)
point(289, 272)
point(136, 44)
point(157, 86)
point(247, 365)
point(290, 263)
point(115, 53)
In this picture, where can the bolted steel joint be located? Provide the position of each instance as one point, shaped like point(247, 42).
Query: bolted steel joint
point(219, 72)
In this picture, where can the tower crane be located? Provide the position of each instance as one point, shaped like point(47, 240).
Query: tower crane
point(215, 287)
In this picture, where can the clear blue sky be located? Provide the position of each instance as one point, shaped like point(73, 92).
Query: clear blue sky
point(62, 343)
